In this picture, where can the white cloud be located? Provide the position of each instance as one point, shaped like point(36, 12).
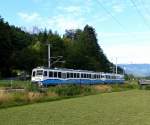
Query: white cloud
point(128, 54)
point(29, 17)
point(61, 23)
point(58, 23)
point(133, 47)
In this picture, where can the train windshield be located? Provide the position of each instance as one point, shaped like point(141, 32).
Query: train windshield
point(39, 72)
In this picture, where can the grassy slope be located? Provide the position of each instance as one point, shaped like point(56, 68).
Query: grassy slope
point(118, 108)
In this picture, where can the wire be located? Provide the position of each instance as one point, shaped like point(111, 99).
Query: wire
point(145, 8)
point(140, 13)
point(113, 17)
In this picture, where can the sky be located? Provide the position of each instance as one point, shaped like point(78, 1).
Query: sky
point(122, 26)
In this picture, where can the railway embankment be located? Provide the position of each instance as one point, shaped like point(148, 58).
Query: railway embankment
point(19, 93)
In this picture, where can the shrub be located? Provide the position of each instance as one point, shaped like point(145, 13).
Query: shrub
point(72, 90)
point(123, 87)
point(145, 87)
point(32, 88)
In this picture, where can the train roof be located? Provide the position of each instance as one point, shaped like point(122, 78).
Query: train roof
point(65, 69)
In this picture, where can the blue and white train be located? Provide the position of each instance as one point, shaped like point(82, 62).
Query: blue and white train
point(47, 76)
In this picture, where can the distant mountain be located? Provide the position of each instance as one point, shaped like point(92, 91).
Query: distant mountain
point(141, 70)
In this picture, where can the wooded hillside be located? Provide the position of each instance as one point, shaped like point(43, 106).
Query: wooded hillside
point(22, 51)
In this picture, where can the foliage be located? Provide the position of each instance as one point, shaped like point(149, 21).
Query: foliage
point(72, 90)
point(31, 93)
point(123, 87)
point(32, 88)
point(21, 50)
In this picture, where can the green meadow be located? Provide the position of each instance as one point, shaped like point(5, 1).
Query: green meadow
point(117, 108)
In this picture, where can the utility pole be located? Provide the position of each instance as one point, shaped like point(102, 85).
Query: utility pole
point(49, 56)
point(116, 66)
point(58, 58)
point(124, 68)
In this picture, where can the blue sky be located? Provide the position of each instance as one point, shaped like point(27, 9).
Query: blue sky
point(122, 26)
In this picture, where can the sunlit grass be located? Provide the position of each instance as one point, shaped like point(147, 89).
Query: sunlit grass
point(119, 108)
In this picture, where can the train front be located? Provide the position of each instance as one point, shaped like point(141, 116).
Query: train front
point(37, 75)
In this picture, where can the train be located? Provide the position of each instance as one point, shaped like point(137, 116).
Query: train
point(45, 76)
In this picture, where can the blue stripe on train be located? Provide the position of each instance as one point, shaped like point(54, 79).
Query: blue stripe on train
point(114, 81)
point(78, 81)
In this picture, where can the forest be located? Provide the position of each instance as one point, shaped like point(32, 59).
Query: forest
point(22, 51)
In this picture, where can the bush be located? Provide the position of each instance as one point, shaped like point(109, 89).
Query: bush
point(123, 87)
point(72, 90)
point(145, 87)
point(32, 88)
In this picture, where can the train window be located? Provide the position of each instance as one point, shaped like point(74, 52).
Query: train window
point(59, 74)
point(78, 75)
point(75, 75)
point(39, 72)
point(67, 74)
point(55, 74)
point(63, 75)
point(50, 74)
point(71, 75)
point(86, 75)
point(33, 73)
point(89, 75)
point(45, 73)
point(82, 75)
point(94, 76)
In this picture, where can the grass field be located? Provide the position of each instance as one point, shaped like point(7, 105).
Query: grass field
point(117, 108)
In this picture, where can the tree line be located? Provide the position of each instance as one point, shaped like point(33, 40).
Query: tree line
point(23, 51)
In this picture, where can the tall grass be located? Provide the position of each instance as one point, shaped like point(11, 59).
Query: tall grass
point(34, 94)
point(72, 90)
point(15, 84)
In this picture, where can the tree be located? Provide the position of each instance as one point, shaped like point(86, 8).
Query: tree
point(24, 51)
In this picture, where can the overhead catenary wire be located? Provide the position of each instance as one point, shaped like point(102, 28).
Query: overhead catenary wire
point(116, 20)
point(145, 8)
point(140, 14)
point(112, 16)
